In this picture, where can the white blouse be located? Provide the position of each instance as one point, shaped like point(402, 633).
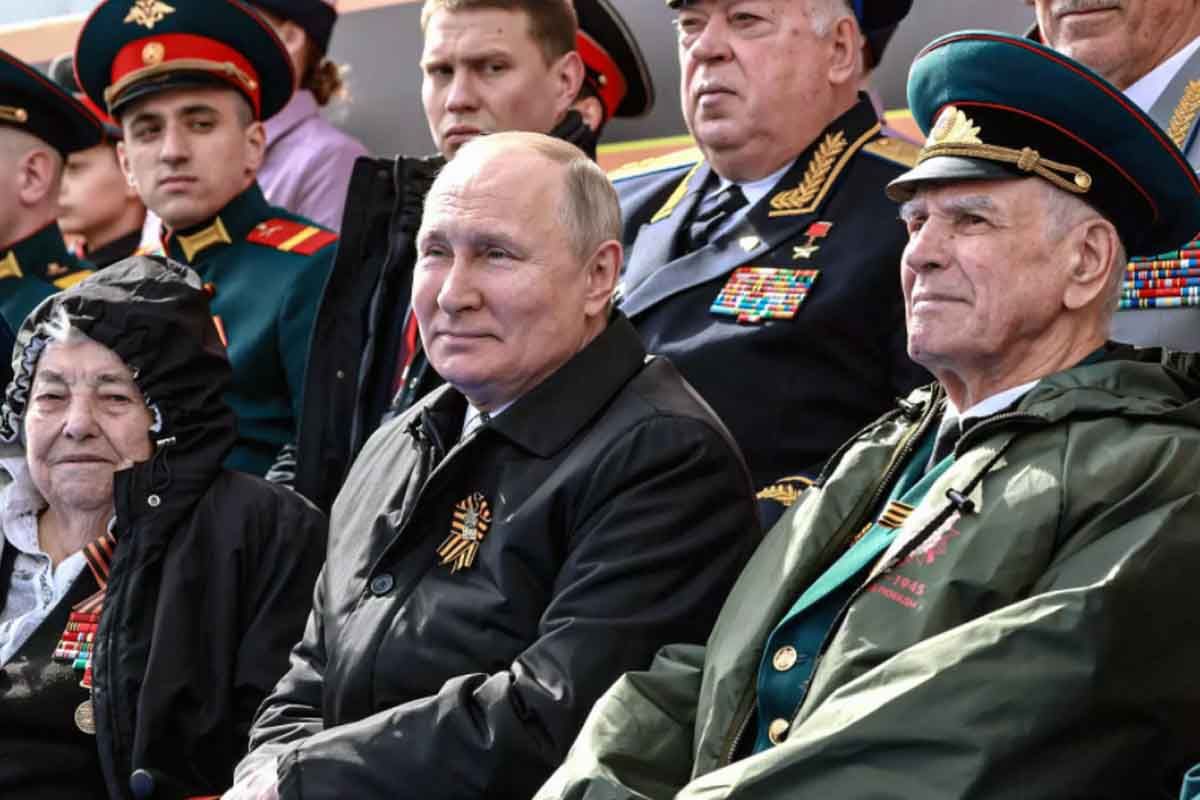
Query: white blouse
point(36, 586)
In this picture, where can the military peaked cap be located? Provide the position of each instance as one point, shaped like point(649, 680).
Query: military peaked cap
point(132, 48)
point(1000, 106)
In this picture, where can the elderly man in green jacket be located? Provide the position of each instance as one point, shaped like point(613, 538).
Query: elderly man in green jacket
point(989, 593)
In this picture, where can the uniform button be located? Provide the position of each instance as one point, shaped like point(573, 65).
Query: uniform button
point(341, 374)
point(778, 730)
point(382, 584)
point(785, 658)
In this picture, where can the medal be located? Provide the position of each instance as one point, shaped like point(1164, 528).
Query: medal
point(75, 645)
point(472, 518)
point(85, 717)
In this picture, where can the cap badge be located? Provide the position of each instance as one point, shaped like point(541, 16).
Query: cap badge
point(148, 13)
point(954, 127)
point(472, 518)
point(152, 53)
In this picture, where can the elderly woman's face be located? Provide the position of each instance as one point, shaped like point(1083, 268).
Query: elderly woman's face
point(86, 420)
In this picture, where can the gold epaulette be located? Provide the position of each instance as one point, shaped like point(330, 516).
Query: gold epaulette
point(785, 491)
point(898, 151)
point(646, 166)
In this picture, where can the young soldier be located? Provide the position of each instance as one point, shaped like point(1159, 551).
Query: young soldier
point(190, 84)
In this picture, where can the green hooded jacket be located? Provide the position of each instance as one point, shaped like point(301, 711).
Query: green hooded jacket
point(1032, 632)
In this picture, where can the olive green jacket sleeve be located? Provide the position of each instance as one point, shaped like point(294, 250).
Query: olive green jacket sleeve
point(637, 741)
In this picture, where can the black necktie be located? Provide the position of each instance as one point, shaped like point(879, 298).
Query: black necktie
point(712, 213)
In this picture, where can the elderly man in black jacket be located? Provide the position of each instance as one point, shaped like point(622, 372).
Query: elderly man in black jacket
point(512, 543)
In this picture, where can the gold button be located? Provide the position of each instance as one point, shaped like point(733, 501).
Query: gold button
point(785, 658)
point(778, 730)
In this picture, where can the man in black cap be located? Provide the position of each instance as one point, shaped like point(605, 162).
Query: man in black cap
point(190, 83)
point(489, 66)
point(980, 597)
point(97, 205)
point(764, 264)
point(1150, 49)
point(40, 125)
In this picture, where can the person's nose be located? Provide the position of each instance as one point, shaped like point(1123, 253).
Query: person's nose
point(459, 291)
point(926, 248)
point(176, 148)
point(80, 423)
point(462, 94)
point(712, 44)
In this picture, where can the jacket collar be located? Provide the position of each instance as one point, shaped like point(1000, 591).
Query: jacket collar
point(553, 412)
point(42, 255)
point(232, 223)
point(544, 419)
point(798, 199)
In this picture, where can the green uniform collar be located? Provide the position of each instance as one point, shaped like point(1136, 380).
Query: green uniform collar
point(43, 255)
point(232, 223)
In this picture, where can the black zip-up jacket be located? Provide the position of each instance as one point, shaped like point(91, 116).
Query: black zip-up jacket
point(620, 515)
point(213, 569)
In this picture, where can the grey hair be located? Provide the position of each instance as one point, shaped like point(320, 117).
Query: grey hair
point(589, 209)
point(58, 329)
point(822, 14)
point(1063, 212)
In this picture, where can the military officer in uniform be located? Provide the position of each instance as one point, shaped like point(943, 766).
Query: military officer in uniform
point(40, 125)
point(367, 361)
point(763, 263)
point(190, 83)
point(1150, 49)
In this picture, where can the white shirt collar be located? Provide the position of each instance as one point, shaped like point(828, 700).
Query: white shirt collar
point(1146, 90)
point(989, 405)
point(757, 190)
point(474, 417)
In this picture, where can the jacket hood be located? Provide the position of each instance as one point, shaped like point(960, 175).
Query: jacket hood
point(1124, 381)
point(154, 314)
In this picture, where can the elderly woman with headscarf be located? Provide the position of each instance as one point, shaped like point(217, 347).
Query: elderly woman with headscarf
point(148, 597)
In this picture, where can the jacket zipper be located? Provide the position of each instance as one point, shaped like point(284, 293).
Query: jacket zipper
point(889, 477)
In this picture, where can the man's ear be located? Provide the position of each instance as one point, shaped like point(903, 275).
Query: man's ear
point(256, 146)
point(603, 269)
point(846, 45)
point(38, 172)
point(1092, 257)
point(592, 111)
point(123, 163)
point(568, 74)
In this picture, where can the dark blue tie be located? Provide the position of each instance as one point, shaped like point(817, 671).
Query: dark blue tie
point(712, 212)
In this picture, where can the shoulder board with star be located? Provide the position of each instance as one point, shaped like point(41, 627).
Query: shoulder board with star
point(291, 236)
point(897, 151)
point(648, 166)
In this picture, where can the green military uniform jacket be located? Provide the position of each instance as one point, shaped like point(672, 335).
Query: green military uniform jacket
point(30, 271)
point(265, 269)
point(1030, 631)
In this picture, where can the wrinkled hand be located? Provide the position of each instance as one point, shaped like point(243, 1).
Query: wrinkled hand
point(259, 785)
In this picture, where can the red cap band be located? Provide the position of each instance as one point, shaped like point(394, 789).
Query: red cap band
point(183, 52)
point(612, 87)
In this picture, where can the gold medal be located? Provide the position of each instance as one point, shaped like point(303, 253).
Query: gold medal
point(472, 518)
point(85, 717)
